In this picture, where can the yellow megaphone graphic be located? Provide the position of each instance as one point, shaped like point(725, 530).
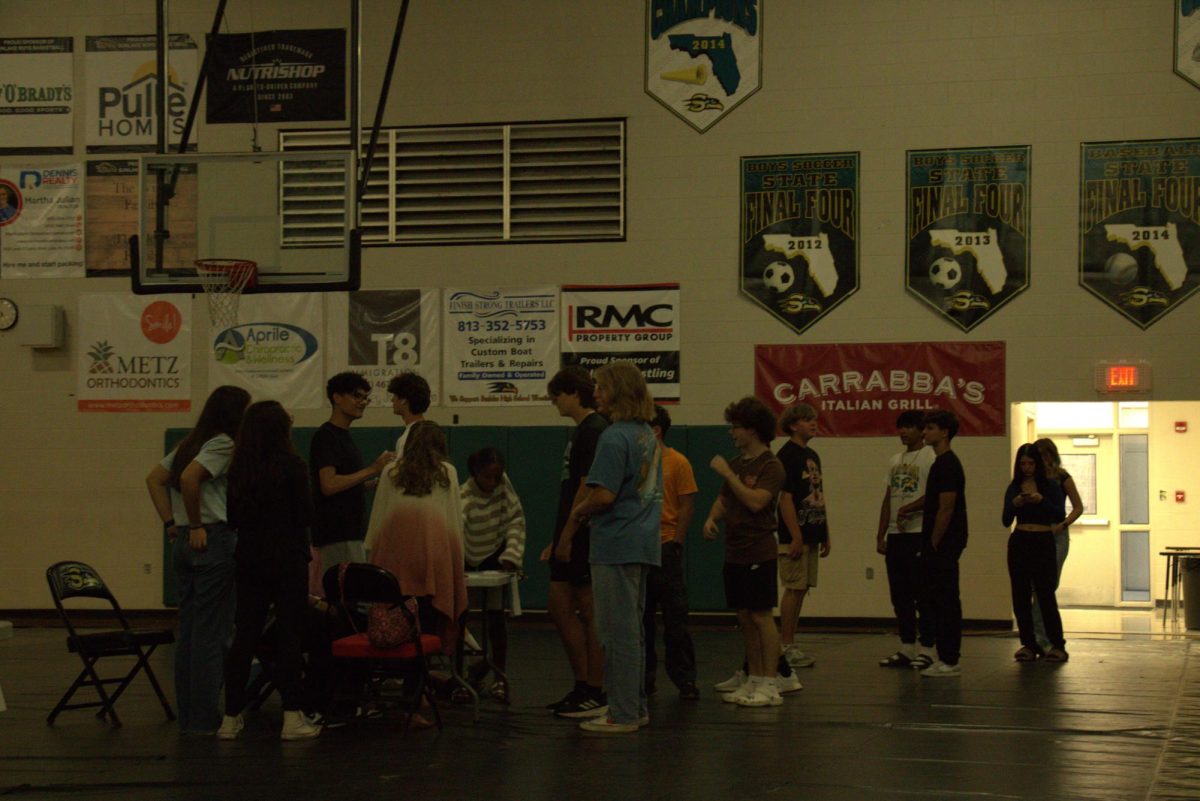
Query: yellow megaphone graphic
point(697, 75)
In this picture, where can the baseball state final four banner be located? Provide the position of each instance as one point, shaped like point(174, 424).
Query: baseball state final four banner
point(858, 390)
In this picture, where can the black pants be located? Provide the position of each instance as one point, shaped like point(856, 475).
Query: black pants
point(666, 589)
point(283, 585)
point(1032, 562)
point(939, 584)
point(904, 582)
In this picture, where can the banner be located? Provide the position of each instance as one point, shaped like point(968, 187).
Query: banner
point(799, 233)
point(859, 390)
point(968, 229)
point(275, 353)
point(276, 76)
point(637, 323)
point(382, 332)
point(1187, 40)
point(111, 191)
point(134, 353)
point(501, 344)
point(122, 73)
point(37, 95)
point(1139, 225)
point(703, 59)
point(41, 222)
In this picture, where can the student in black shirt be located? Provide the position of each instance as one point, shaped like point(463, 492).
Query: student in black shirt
point(944, 536)
point(338, 476)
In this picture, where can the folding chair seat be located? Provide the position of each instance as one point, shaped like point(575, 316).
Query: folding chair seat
point(354, 656)
point(77, 580)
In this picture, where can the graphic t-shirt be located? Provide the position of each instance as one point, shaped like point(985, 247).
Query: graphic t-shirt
point(750, 536)
point(628, 464)
point(803, 469)
point(907, 476)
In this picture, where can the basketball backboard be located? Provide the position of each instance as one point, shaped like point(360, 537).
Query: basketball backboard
point(293, 213)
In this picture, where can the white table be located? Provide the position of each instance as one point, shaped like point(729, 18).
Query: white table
point(492, 583)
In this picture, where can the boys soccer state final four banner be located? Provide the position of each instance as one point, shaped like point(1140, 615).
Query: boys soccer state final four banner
point(382, 332)
point(134, 353)
point(37, 95)
point(501, 344)
point(858, 390)
point(799, 232)
point(638, 323)
point(703, 58)
point(968, 229)
point(1139, 225)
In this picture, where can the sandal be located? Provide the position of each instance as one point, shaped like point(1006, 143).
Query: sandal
point(1057, 655)
point(1026, 654)
point(896, 660)
point(461, 695)
point(922, 661)
point(499, 690)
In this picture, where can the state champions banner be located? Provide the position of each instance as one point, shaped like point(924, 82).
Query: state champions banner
point(382, 332)
point(967, 230)
point(275, 353)
point(41, 222)
point(637, 323)
point(858, 390)
point(134, 353)
point(37, 95)
point(500, 344)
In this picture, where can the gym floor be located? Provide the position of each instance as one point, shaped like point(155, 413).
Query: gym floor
point(1120, 721)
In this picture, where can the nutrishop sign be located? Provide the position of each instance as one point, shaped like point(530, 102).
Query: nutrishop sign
point(858, 390)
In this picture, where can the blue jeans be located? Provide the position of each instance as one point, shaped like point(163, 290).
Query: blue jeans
point(619, 594)
point(206, 607)
point(1062, 545)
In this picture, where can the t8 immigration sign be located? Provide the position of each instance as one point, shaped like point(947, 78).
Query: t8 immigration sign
point(799, 234)
point(858, 390)
point(1139, 225)
point(968, 229)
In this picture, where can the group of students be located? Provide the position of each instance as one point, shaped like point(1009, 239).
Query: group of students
point(239, 502)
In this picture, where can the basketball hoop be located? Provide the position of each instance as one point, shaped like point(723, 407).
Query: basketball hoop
point(223, 281)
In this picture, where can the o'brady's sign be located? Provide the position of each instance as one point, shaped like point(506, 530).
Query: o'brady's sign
point(859, 389)
point(703, 57)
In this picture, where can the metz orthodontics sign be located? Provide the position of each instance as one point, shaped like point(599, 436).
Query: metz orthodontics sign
point(858, 390)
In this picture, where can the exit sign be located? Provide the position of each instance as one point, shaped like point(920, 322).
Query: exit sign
point(1122, 377)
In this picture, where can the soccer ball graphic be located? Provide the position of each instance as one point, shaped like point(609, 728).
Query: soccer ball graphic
point(945, 272)
point(779, 276)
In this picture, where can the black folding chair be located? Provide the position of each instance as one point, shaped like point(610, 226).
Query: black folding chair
point(77, 580)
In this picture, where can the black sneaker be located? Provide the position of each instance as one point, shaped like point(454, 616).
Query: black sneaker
point(688, 691)
point(570, 699)
point(591, 705)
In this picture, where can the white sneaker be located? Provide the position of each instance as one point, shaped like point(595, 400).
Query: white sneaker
point(732, 683)
point(741, 693)
point(940, 670)
point(797, 658)
point(297, 727)
point(231, 727)
point(764, 695)
point(788, 684)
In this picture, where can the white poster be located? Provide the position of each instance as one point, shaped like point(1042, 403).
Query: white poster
point(122, 86)
point(37, 95)
point(275, 352)
point(501, 344)
point(382, 332)
point(637, 323)
point(41, 222)
point(134, 353)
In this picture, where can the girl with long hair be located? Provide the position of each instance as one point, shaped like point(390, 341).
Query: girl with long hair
point(188, 489)
point(1061, 530)
point(270, 506)
point(1035, 503)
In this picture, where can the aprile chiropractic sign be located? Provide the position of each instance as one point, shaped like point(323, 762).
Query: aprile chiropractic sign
point(858, 390)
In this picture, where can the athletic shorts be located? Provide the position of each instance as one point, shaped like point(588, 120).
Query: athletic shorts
point(799, 574)
point(578, 571)
point(751, 586)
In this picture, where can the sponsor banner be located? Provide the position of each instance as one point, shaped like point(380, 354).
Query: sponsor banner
point(382, 332)
point(134, 353)
point(501, 344)
point(968, 229)
point(37, 95)
point(1187, 40)
point(276, 76)
point(637, 323)
point(122, 76)
point(276, 352)
point(111, 191)
point(1139, 225)
point(799, 234)
point(703, 59)
point(859, 390)
point(41, 222)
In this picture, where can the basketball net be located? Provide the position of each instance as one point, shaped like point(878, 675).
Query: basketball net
point(223, 281)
